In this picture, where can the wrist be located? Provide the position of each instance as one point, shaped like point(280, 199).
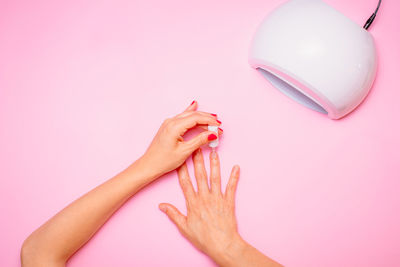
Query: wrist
point(230, 254)
point(145, 169)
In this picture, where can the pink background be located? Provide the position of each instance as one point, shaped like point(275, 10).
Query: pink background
point(84, 85)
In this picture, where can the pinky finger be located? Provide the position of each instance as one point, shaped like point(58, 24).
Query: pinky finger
point(192, 106)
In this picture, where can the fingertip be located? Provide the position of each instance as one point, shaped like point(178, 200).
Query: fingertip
point(162, 207)
point(212, 137)
point(193, 106)
point(199, 152)
point(213, 155)
point(194, 145)
point(236, 169)
point(182, 167)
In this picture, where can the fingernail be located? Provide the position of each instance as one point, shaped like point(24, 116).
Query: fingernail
point(212, 137)
point(162, 208)
point(220, 129)
point(236, 168)
point(193, 102)
point(219, 121)
point(215, 115)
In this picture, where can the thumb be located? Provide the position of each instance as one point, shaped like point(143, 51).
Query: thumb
point(174, 215)
point(201, 139)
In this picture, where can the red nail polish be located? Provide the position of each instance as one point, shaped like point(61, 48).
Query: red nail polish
point(221, 129)
point(212, 137)
point(193, 102)
point(215, 115)
point(219, 121)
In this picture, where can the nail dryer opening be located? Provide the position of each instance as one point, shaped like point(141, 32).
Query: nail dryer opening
point(291, 91)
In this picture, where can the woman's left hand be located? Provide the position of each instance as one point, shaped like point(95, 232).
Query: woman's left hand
point(168, 150)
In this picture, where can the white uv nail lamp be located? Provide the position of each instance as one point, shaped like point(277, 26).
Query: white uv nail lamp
point(315, 55)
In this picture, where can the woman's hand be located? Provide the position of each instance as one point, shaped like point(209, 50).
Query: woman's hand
point(210, 224)
point(52, 245)
point(168, 150)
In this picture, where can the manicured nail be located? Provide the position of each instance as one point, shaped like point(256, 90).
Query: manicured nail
point(215, 115)
point(219, 121)
point(193, 102)
point(220, 129)
point(212, 137)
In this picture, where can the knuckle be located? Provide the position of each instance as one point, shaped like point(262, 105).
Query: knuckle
point(204, 137)
point(185, 184)
point(231, 187)
point(166, 121)
point(214, 181)
point(196, 116)
point(170, 124)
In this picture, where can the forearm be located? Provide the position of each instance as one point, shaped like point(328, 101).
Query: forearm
point(56, 240)
point(72, 227)
point(240, 253)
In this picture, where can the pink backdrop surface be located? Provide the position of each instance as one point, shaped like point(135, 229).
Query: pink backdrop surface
point(84, 85)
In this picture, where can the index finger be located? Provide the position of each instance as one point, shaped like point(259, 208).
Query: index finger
point(185, 182)
point(188, 122)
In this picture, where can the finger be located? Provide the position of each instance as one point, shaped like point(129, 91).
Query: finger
point(186, 183)
point(189, 110)
point(185, 123)
point(215, 173)
point(232, 184)
point(200, 171)
point(174, 215)
point(191, 107)
point(186, 113)
point(189, 113)
point(201, 139)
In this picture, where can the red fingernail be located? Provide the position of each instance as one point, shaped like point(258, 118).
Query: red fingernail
point(193, 102)
point(221, 129)
point(215, 115)
point(212, 137)
point(219, 121)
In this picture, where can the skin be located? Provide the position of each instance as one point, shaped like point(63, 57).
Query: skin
point(210, 224)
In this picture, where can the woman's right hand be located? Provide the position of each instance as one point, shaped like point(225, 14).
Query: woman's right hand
point(168, 150)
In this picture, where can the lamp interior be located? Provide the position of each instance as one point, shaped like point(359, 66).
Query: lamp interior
point(291, 91)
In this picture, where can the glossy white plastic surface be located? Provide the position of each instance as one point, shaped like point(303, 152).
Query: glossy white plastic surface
point(213, 143)
point(316, 55)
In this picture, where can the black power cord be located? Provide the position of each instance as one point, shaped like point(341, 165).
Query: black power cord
point(371, 19)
